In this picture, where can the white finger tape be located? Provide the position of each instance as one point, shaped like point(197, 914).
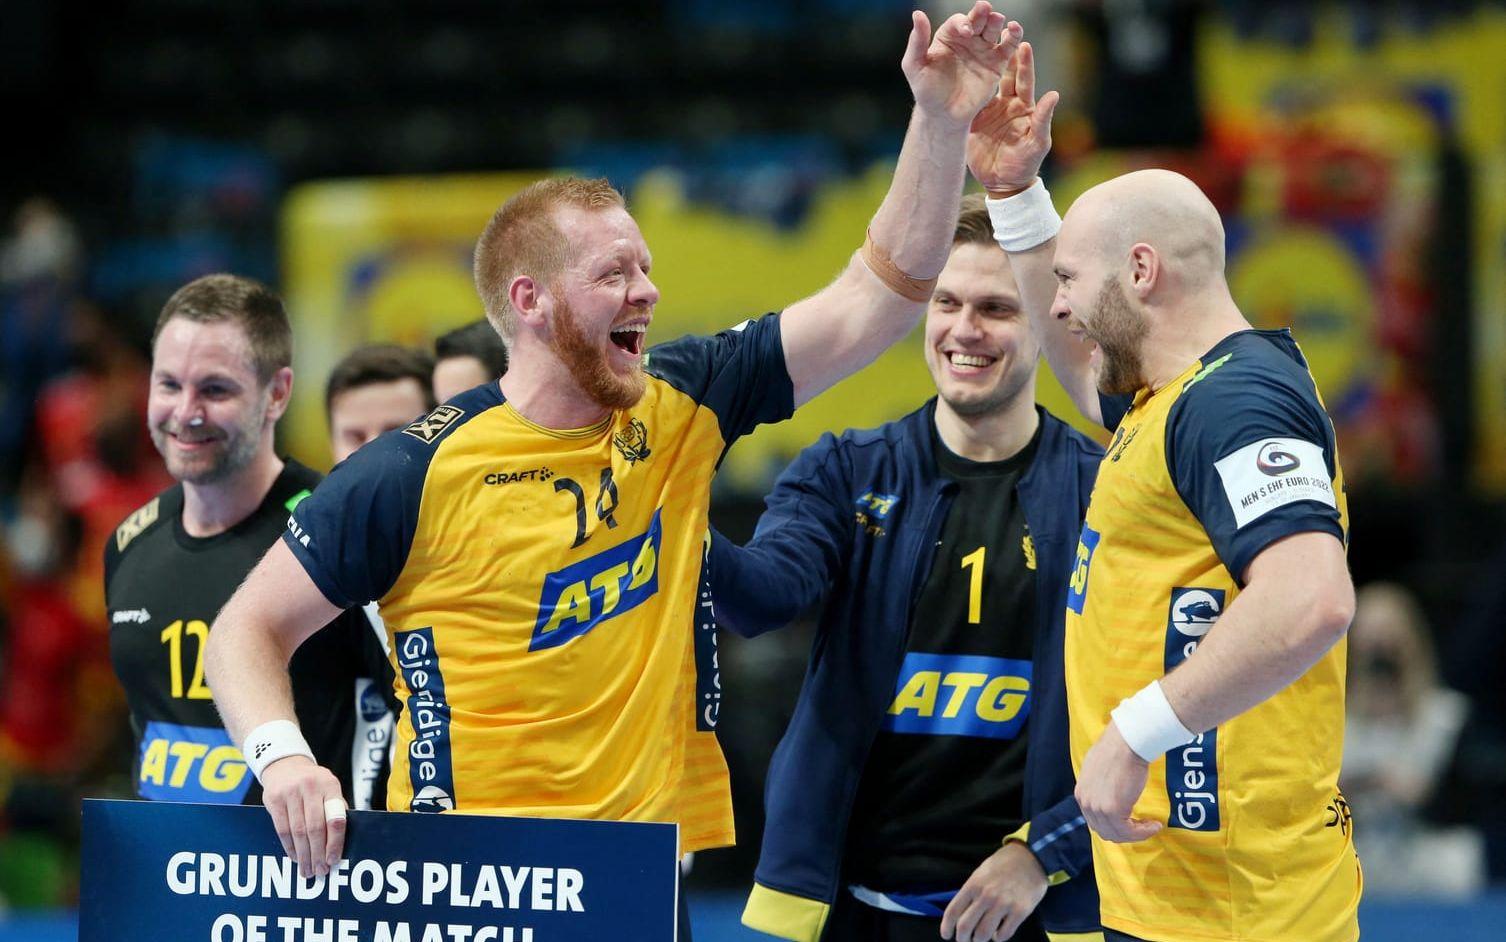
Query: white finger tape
point(334, 809)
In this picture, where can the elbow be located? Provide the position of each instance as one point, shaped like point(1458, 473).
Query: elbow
point(1332, 613)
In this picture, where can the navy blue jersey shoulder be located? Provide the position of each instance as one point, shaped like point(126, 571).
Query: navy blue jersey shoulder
point(1112, 409)
point(739, 374)
point(353, 534)
point(1251, 448)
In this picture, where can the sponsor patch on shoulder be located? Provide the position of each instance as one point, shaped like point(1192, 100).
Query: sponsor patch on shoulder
point(1273, 472)
point(136, 524)
point(433, 425)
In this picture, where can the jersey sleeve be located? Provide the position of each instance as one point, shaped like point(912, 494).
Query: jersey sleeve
point(1253, 456)
point(796, 553)
point(739, 374)
point(352, 535)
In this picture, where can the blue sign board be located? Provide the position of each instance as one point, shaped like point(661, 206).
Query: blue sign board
point(166, 872)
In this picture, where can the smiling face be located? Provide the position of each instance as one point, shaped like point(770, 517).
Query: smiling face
point(208, 411)
point(979, 345)
point(1090, 296)
point(603, 304)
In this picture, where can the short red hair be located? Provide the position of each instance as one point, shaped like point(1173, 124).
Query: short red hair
point(523, 238)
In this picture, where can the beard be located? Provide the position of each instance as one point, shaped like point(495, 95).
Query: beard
point(1119, 332)
point(232, 451)
point(587, 363)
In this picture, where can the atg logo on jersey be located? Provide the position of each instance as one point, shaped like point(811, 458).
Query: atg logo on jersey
point(960, 695)
point(429, 767)
point(1192, 770)
point(581, 596)
point(191, 763)
point(1077, 588)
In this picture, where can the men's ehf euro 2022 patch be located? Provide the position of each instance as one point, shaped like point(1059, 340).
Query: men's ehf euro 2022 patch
point(1271, 473)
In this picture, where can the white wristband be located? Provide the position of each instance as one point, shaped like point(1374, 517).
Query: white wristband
point(1149, 725)
point(271, 741)
point(1025, 220)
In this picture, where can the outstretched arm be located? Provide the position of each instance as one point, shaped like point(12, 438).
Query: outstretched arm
point(846, 325)
point(1010, 138)
point(796, 553)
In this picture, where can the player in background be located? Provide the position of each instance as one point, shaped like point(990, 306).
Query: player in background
point(546, 534)
point(375, 389)
point(465, 357)
point(220, 380)
point(1207, 611)
point(924, 785)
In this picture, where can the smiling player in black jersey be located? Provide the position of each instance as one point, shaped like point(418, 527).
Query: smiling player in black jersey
point(220, 381)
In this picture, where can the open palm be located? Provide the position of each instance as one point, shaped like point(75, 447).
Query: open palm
point(953, 73)
point(1012, 134)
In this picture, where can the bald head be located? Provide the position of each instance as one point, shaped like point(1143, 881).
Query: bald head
point(1159, 208)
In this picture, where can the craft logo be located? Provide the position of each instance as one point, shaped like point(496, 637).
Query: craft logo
point(429, 763)
point(960, 695)
point(1192, 770)
point(139, 616)
point(581, 596)
point(494, 478)
point(433, 425)
point(633, 441)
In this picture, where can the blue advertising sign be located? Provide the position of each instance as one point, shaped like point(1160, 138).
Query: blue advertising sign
point(166, 872)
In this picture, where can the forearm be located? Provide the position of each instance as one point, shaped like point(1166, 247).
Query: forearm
point(1266, 639)
point(916, 220)
point(757, 588)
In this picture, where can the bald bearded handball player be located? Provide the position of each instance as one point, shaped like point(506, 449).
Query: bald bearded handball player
point(1207, 611)
point(536, 545)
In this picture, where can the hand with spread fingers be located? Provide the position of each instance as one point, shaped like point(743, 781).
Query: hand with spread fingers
point(1111, 781)
point(307, 811)
point(1002, 893)
point(1012, 134)
point(955, 72)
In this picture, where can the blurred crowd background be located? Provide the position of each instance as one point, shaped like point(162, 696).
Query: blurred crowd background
point(349, 151)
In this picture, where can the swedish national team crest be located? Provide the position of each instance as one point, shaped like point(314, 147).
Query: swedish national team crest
point(633, 441)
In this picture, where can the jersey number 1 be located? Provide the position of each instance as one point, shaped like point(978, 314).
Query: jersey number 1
point(974, 561)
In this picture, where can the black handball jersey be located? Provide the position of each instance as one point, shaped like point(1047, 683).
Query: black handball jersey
point(163, 589)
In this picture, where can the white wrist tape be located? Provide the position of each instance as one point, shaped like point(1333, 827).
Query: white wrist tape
point(272, 741)
point(1025, 220)
point(1148, 724)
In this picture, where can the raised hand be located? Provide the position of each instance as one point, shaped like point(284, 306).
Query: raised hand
point(954, 73)
point(1012, 134)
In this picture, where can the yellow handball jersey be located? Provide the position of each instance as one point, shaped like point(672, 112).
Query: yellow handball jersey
point(1202, 475)
point(542, 591)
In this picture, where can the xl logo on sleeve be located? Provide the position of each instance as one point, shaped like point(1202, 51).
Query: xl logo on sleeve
point(191, 763)
point(1192, 770)
point(1271, 473)
point(1077, 587)
point(960, 695)
point(583, 595)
